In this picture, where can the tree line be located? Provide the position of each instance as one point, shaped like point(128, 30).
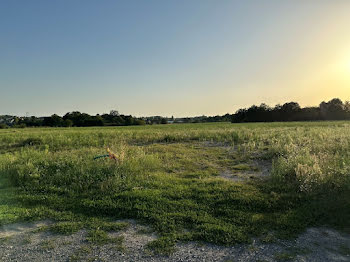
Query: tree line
point(75, 118)
point(334, 109)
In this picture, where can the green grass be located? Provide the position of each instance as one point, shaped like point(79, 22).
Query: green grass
point(65, 228)
point(168, 177)
point(71, 227)
point(161, 246)
point(100, 237)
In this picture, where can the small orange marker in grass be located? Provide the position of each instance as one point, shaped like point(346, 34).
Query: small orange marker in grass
point(111, 155)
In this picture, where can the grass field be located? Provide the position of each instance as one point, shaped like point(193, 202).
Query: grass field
point(171, 178)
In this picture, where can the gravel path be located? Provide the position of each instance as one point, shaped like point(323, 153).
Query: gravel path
point(19, 242)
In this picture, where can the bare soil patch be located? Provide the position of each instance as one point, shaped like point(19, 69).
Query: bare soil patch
point(20, 242)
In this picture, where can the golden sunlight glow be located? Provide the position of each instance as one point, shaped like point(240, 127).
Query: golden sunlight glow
point(346, 76)
point(346, 64)
point(333, 80)
point(341, 69)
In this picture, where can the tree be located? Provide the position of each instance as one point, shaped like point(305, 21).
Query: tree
point(139, 122)
point(333, 110)
point(114, 113)
point(68, 123)
point(53, 120)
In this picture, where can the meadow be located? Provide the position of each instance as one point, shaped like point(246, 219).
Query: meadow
point(188, 182)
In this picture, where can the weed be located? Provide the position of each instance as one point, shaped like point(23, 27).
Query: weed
point(161, 246)
point(100, 237)
point(65, 228)
point(269, 238)
point(48, 244)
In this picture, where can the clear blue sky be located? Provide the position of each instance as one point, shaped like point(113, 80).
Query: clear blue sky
point(181, 58)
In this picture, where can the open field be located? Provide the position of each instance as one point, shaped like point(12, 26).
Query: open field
point(221, 183)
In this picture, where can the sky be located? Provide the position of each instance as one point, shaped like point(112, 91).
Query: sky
point(170, 58)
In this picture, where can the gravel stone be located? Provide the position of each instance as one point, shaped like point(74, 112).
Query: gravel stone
point(20, 242)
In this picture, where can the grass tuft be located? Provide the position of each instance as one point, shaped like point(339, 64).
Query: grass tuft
point(65, 228)
point(161, 246)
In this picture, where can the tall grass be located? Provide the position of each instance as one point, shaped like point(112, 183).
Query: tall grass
point(168, 177)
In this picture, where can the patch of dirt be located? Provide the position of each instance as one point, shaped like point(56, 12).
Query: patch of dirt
point(20, 228)
point(260, 170)
point(20, 243)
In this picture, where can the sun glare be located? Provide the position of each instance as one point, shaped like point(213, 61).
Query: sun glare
point(347, 64)
point(341, 69)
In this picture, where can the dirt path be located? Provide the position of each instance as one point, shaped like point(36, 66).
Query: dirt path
point(20, 242)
